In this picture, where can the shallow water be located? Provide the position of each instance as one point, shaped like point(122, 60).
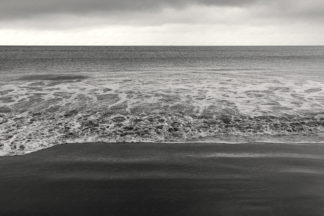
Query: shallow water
point(165, 179)
point(55, 95)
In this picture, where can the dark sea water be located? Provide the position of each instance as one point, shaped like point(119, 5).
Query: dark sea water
point(57, 95)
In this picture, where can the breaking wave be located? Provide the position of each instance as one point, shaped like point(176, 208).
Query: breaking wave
point(37, 112)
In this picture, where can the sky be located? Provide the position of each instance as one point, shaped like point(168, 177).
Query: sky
point(161, 22)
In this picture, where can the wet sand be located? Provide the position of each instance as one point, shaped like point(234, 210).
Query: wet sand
point(165, 179)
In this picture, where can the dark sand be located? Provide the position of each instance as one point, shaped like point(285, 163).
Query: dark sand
point(165, 179)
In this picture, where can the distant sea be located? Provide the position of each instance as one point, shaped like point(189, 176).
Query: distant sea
point(57, 95)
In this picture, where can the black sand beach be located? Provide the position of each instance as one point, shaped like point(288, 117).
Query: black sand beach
point(165, 179)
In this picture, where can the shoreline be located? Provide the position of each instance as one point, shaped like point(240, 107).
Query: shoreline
point(165, 179)
point(234, 140)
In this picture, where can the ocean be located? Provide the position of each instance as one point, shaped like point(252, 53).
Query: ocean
point(58, 95)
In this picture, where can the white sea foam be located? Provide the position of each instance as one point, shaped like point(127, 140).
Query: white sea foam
point(143, 107)
point(255, 155)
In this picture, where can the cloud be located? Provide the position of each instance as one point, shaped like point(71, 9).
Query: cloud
point(292, 10)
point(179, 34)
point(192, 15)
point(162, 22)
point(31, 10)
point(22, 9)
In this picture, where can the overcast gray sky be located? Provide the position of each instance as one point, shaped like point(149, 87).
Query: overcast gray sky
point(162, 22)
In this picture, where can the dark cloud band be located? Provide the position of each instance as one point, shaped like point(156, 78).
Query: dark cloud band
point(25, 8)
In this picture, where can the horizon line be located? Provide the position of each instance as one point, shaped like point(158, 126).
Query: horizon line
point(88, 45)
